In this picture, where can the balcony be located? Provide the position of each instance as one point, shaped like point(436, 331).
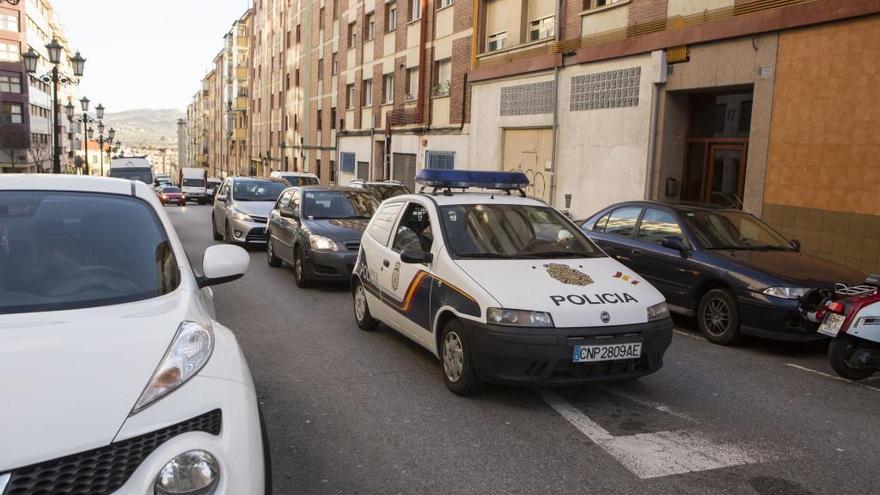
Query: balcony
point(241, 72)
point(241, 103)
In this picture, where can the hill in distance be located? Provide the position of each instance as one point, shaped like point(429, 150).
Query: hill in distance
point(145, 127)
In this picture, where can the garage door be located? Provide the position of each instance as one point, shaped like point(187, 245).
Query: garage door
point(529, 151)
point(404, 169)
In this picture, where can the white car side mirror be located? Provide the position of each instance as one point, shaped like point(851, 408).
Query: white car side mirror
point(223, 264)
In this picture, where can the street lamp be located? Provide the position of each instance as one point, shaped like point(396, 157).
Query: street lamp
point(86, 120)
point(111, 134)
point(56, 78)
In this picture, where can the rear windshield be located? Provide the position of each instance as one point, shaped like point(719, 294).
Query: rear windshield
point(300, 181)
point(67, 250)
point(144, 176)
point(194, 182)
point(170, 190)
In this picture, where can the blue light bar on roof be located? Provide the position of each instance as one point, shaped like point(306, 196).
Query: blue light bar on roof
point(463, 179)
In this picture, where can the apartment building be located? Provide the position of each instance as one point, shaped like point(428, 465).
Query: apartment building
point(748, 103)
point(25, 100)
point(183, 142)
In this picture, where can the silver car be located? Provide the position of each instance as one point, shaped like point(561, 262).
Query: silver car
point(241, 208)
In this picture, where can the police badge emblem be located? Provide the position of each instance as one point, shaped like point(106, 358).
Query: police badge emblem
point(567, 274)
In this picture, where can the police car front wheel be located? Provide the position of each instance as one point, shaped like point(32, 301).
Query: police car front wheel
point(458, 368)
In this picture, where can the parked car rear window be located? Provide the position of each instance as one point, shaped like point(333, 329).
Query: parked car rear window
point(383, 221)
point(170, 189)
point(300, 180)
point(69, 250)
point(622, 221)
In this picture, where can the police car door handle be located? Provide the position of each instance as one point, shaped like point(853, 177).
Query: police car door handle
point(386, 263)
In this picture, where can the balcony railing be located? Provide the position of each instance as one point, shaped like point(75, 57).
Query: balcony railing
point(674, 23)
point(403, 116)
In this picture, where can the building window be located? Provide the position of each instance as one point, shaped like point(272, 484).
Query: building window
point(390, 17)
point(541, 29)
point(347, 165)
point(349, 96)
point(415, 10)
point(412, 83)
point(318, 167)
point(9, 52)
point(12, 113)
point(320, 119)
point(335, 9)
point(595, 4)
point(368, 93)
point(352, 35)
point(388, 87)
point(333, 117)
point(321, 18)
point(496, 41)
point(370, 27)
point(444, 3)
point(442, 160)
point(9, 21)
point(334, 64)
point(298, 33)
point(443, 76)
point(320, 69)
point(333, 171)
point(10, 84)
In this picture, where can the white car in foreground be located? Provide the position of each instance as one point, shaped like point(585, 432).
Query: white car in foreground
point(116, 377)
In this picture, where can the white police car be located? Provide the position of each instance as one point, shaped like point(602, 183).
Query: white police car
point(503, 288)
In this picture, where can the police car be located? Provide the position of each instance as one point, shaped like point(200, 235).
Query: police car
point(503, 288)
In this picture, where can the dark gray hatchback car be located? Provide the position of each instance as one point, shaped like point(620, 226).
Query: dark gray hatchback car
point(317, 229)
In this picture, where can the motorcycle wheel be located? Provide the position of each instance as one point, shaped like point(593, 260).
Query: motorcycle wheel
point(839, 351)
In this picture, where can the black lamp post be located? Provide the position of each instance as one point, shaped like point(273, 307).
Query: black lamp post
point(55, 78)
point(110, 135)
point(85, 120)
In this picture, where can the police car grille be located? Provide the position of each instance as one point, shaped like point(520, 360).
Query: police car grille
point(103, 470)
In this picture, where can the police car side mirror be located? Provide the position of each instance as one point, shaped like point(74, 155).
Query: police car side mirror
point(413, 256)
point(676, 244)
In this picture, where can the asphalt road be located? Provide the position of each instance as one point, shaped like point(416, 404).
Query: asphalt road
point(356, 412)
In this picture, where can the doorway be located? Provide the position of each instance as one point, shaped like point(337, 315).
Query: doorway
point(714, 171)
point(529, 151)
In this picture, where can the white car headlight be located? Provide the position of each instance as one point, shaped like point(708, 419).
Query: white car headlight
point(322, 243)
point(658, 312)
point(189, 351)
point(786, 292)
point(192, 473)
point(240, 215)
point(518, 317)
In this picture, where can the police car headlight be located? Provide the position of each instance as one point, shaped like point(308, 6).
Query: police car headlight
point(658, 312)
point(322, 243)
point(518, 317)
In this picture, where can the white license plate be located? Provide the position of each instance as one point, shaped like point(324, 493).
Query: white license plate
point(594, 353)
point(831, 324)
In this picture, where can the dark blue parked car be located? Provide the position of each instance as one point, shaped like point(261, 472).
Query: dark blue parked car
point(728, 268)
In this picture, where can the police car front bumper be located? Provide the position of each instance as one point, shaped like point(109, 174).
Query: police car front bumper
point(544, 356)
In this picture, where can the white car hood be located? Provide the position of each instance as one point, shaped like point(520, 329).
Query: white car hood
point(555, 286)
point(70, 378)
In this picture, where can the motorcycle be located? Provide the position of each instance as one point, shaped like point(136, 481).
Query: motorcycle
point(851, 317)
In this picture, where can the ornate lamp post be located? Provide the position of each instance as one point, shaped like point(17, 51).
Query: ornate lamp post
point(85, 120)
point(55, 78)
point(110, 135)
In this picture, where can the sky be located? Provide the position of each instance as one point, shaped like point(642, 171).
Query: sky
point(146, 53)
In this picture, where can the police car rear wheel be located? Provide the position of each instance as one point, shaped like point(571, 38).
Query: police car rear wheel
point(458, 370)
point(362, 314)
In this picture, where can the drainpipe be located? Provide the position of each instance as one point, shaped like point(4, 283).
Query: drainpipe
point(659, 59)
point(556, 69)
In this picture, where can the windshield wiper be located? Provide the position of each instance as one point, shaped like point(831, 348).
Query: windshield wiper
point(731, 248)
point(772, 248)
point(482, 255)
point(553, 254)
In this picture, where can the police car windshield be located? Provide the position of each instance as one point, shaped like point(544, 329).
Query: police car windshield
point(512, 231)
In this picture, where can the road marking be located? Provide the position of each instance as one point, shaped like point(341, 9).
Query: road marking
point(664, 453)
point(645, 402)
point(687, 334)
point(838, 378)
